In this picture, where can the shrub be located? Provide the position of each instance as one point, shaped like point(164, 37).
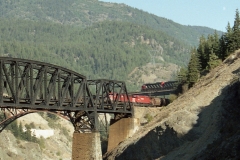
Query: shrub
point(148, 117)
point(58, 153)
point(41, 142)
point(64, 131)
point(172, 97)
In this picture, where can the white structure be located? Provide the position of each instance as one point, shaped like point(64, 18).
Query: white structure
point(44, 133)
point(101, 117)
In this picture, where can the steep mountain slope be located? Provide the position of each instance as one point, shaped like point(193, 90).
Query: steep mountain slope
point(105, 50)
point(86, 12)
point(203, 123)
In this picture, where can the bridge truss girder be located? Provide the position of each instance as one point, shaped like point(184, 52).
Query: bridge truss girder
point(105, 96)
point(28, 86)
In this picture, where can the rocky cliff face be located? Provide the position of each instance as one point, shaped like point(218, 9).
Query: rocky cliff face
point(58, 146)
point(11, 148)
point(201, 124)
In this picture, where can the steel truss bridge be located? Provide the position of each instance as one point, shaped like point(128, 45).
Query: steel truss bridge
point(28, 86)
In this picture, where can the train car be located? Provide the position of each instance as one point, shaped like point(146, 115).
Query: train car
point(159, 86)
point(132, 98)
point(141, 100)
point(149, 101)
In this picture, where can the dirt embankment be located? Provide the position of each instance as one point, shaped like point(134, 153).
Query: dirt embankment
point(201, 124)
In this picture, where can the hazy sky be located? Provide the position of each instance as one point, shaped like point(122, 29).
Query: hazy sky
point(210, 13)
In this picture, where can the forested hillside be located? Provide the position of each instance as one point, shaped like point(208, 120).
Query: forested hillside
point(85, 13)
point(96, 39)
point(105, 50)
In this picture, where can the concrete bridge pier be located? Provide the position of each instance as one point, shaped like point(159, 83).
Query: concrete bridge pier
point(86, 146)
point(121, 130)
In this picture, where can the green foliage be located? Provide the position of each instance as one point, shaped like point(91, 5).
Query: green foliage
point(52, 32)
point(104, 133)
point(172, 97)
point(13, 127)
point(32, 125)
point(19, 133)
point(230, 41)
point(193, 68)
point(109, 50)
point(149, 117)
point(52, 122)
point(58, 153)
point(214, 61)
point(182, 75)
point(85, 13)
point(51, 118)
point(215, 48)
point(207, 47)
point(41, 114)
point(235, 37)
point(41, 142)
point(64, 131)
point(2, 117)
point(211, 52)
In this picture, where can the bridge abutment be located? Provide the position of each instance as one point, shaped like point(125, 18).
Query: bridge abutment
point(86, 146)
point(121, 130)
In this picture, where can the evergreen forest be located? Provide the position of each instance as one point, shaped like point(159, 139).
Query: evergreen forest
point(85, 13)
point(93, 38)
point(108, 49)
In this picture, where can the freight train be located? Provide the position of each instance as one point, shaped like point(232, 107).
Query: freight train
point(140, 100)
point(143, 97)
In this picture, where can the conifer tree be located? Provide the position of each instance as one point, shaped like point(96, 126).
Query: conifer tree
point(229, 40)
point(236, 32)
point(182, 75)
point(207, 47)
point(193, 68)
point(222, 54)
point(214, 61)
point(201, 52)
point(215, 45)
point(20, 128)
point(183, 80)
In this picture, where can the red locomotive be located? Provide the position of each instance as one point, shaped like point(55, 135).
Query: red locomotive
point(141, 100)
